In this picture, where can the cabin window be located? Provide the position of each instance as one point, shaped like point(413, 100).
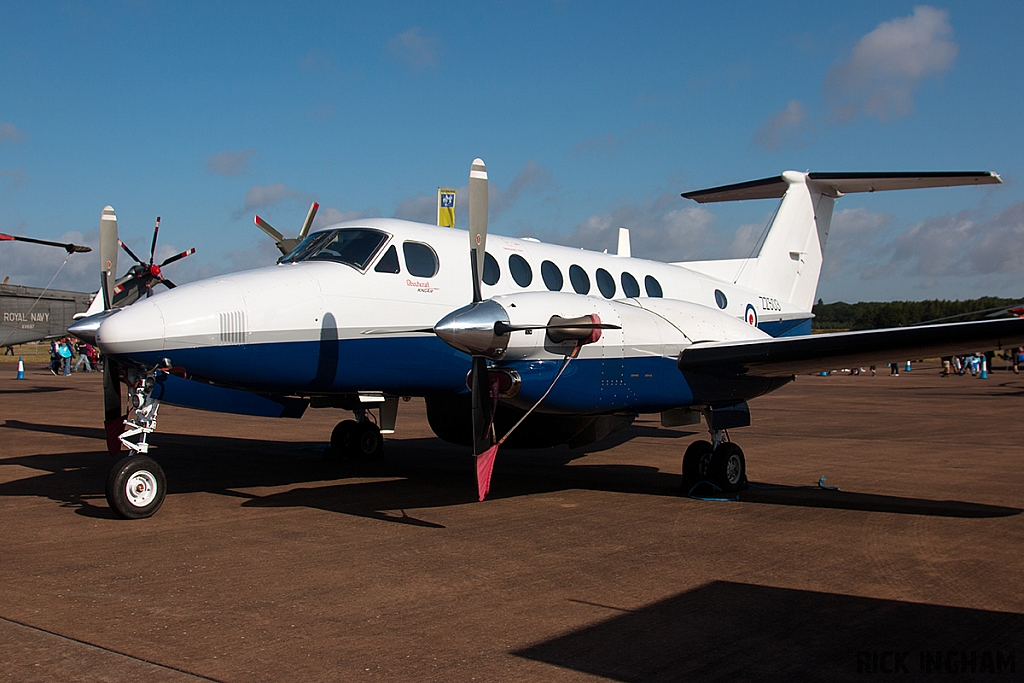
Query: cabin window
point(492, 273)
point(420, 259)
point(552, 276)
point(629, 285)
point(579, 279)
point(352, 246)
point(520, 269)
point(720, 299)
point(653, 287)
point(389, 261)
point(606, 283)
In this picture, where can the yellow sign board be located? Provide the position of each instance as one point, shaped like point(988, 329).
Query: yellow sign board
point(446, 207)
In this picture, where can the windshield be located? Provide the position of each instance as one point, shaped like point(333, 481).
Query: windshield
point(352, 246)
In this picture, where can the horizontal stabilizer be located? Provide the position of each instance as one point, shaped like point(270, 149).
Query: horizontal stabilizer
point(838, 184)
point(781, 357)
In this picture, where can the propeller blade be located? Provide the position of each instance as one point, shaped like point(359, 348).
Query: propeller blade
point(169, 284)
point(177, 257)
point(105, 291)
point(477, 222)
point(269, 229)
point(113, 419)
point(481, 405)
point(131, 253)
point(108, 254)
point(70, 248)
point(152, 248)
point(306, 224)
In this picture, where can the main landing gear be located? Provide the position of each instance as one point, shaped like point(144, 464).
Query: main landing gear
point(357, 441)
point(136, 486)
point(718, 462)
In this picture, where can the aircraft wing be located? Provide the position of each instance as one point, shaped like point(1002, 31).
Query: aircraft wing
point(784, 356)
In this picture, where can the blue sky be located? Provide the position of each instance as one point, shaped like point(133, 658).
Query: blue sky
point(590, 115)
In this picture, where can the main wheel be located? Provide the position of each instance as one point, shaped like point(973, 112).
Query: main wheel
point(368, 444)
point(342, 438)
point(136, 487)
point(728, 468)
point(695, 462)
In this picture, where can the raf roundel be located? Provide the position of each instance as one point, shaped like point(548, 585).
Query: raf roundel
point(751, 315)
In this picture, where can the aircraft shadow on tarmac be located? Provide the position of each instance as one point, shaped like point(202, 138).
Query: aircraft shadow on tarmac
point(35, 390)
point(735, 631)
point(415, 474)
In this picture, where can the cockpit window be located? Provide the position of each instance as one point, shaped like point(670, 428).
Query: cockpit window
point(352, 246)
point(388, 262)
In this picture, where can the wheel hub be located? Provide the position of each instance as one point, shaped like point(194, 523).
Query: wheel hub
point(732, 469)
point(141, 489)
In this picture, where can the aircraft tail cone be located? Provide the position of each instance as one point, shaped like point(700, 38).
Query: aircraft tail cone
point(21, 368)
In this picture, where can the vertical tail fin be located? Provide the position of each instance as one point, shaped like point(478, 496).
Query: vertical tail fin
point(788, 263)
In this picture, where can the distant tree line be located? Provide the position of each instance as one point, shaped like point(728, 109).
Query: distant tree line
point(869, 315)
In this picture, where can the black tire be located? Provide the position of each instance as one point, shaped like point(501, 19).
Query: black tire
point(367, 442)
point(136, 487)
point(342, 438)
point(695, 463)
point(728, 468)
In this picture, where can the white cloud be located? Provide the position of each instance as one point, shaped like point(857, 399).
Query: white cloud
point(413, 49)
point(851, 246)
point(10, 133)
point(657, 231)
point(786, 128)
point(532, 178)
point(328, 215)
point(230, 163)
point(13, 178)
point(421, 208)
point(318, 60)
point(606, 144)
point(962, 245)
point(888, 64)
point(262, 196)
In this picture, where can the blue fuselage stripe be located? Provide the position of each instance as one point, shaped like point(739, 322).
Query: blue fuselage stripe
point(421, 366)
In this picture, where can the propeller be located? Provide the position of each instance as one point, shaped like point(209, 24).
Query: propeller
point(148, 274)
point(482, 330)
point(287, 244)
point(70, 248)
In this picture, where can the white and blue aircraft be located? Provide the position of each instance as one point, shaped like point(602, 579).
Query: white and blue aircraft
point(565, 344)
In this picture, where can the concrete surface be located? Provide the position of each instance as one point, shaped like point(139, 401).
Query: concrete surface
point(267, 563)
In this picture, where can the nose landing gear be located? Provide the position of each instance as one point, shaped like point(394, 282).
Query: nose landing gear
point(136, 485)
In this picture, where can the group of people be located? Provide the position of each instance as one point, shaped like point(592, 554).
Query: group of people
point(962, 365)
point(63, 352)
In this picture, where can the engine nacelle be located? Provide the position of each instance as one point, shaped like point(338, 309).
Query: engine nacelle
point(629, 366)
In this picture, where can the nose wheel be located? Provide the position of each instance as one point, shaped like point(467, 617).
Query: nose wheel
point(136, 487)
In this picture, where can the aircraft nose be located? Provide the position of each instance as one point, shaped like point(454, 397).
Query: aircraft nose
point(139, 327)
